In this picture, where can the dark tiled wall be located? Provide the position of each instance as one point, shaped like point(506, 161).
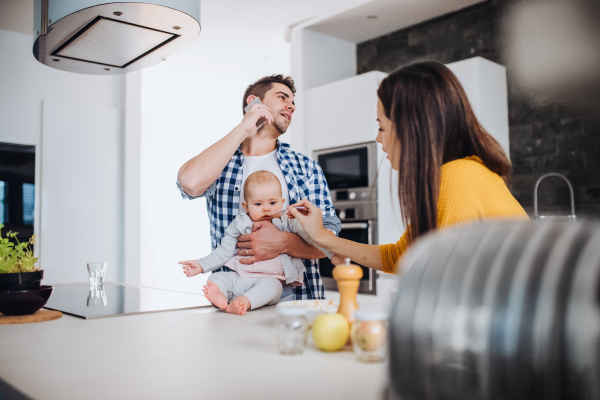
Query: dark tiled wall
point(545, 136)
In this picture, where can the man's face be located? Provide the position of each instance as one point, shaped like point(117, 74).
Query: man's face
point(262, 200)
point(280, 101)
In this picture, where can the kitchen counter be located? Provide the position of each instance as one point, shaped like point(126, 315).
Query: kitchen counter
point(198, 353)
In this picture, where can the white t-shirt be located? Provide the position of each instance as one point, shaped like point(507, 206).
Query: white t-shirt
point(267, 162)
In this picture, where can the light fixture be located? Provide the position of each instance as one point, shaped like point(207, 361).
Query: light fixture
point(95, 37)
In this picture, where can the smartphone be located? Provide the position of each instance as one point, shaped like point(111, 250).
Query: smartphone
point(261, 121)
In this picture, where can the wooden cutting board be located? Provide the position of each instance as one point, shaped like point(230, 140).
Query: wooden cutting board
point(39, 316)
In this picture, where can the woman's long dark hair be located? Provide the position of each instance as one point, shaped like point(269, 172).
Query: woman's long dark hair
point(434, 124)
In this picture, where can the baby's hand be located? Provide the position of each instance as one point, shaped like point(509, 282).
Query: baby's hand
point(191, 267)
point(338, 260)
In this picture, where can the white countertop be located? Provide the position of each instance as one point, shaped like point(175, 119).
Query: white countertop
point(199, 353)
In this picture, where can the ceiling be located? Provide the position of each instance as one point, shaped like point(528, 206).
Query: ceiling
point(17, 15)
point(346, 19)
point(379, 17)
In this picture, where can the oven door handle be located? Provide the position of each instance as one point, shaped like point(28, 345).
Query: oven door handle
point(355, 225)
point(363, 225)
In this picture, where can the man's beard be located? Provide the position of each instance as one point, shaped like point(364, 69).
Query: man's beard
point(280, 126)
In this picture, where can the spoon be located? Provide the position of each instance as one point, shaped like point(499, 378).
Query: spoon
point(285, 209)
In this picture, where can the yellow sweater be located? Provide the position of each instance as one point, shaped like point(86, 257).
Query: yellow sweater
point(469, 191)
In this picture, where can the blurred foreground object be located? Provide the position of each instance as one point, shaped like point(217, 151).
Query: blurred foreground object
point(554, 49)
point(500, 310)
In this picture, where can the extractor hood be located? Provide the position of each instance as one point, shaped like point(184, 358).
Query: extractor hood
point(100, 38)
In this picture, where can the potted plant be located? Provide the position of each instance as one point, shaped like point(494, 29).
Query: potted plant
point(17, 264)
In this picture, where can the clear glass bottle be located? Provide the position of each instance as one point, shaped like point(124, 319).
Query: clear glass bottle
point(291, 329)
point(369, 335)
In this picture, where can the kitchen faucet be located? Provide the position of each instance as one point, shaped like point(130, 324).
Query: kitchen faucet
point(535, 196)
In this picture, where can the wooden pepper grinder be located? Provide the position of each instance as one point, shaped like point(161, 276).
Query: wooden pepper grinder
point(348, 278)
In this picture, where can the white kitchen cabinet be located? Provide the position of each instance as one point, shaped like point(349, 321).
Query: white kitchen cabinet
point(484, 82)
point(81, 191)
point(343, 112)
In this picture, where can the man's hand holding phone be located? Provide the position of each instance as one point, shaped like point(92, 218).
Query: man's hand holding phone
point(257, 115)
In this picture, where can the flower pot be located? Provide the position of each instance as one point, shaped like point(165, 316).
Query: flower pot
point(21, 280)
point(24, 302)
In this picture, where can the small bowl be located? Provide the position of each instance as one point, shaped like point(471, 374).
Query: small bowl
point(315, 307)
point(24, 302)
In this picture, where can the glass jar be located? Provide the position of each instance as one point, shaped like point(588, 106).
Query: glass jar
point(369, 335)
point(291, 329)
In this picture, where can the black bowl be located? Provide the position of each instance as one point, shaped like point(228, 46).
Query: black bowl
point(24, 302)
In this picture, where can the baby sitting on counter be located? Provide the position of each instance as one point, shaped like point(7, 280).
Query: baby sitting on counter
point(252, 286)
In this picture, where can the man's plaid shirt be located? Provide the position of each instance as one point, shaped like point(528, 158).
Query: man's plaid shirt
point(304, 179)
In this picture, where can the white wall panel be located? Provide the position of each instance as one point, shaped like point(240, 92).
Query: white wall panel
point(81, 191)
point(22, 74)
point(19, 119)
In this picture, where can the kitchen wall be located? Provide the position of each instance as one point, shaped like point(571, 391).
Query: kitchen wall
point(545, 136)
point(76, 123)
point(187, 104)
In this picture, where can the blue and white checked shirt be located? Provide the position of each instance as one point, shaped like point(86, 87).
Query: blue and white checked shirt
point(304, 179)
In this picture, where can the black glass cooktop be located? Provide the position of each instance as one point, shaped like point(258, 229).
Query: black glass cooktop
point(82, 300)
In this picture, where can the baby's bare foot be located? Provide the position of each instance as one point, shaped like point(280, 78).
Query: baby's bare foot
point(214, 295)
point(238, 306)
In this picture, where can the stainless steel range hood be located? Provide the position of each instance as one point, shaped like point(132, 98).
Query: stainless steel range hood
point(99, 38)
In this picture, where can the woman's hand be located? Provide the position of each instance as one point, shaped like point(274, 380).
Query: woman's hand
point(338, 260)
point(310, 218)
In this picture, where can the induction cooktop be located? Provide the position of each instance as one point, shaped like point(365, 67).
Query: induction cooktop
point(113, 299)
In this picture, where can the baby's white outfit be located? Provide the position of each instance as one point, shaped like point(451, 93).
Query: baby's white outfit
point(259, 282)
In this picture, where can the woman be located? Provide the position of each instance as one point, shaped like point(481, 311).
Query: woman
point(450, 169)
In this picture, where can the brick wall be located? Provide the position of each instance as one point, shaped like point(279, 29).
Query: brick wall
point(545, 136)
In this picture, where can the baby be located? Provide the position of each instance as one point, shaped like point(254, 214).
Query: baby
point(252, 286)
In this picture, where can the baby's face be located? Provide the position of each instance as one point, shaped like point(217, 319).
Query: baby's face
point(263, 199)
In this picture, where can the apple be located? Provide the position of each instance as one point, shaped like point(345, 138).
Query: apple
point(330, 332)
point(369, 335)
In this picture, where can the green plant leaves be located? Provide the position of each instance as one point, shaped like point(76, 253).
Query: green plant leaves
point(17, 257)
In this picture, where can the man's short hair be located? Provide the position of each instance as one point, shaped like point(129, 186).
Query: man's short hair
point(259, 177)
point(263, 85)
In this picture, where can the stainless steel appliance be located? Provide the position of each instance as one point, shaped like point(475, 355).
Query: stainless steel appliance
point(351, 173)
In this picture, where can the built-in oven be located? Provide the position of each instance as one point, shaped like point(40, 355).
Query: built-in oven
point(351, 173)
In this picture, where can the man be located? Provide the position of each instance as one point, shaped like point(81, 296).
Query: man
point(219, 173)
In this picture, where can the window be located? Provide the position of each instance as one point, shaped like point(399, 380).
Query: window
point(17, 189)
point(28, 202)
